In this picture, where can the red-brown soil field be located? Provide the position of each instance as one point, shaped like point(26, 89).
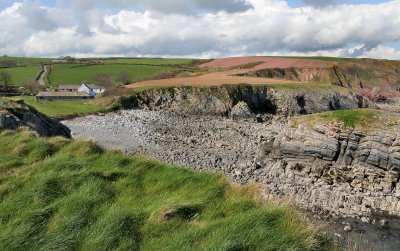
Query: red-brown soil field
point(265, 63)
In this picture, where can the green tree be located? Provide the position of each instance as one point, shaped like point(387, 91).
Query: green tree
point(5, 79)
point(32, 86)
point(104, 79)
point(124, 77)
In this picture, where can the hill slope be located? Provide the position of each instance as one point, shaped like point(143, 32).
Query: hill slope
point(57, 194)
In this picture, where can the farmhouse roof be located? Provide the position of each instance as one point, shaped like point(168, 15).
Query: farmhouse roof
point(90, 86)
point(62, 94)
point(68, 86)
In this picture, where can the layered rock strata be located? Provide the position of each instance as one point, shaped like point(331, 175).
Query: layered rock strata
point(260, 99)
point(327, 169)
point(15, 114)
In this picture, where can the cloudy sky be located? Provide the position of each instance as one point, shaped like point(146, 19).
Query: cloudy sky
point(200, 28)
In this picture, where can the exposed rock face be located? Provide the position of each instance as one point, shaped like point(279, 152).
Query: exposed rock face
point(346, 173)
point(324, 74)
point(259, 99)
point(15, 114)
point(324, 168)
point(241, 110)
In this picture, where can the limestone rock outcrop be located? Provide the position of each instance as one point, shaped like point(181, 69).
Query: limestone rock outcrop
point(329, 169)
point(15, 114)
point(222, 100)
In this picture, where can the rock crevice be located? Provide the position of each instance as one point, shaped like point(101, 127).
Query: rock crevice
point(259, 99)
point(15, 114)
point(346, 173)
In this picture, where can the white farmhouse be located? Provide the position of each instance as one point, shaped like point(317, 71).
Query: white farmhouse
point(90, 89)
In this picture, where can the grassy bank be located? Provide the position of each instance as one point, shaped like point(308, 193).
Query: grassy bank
point(359, 119)
point(76, 73)
point(57, 194)
point(59, 109)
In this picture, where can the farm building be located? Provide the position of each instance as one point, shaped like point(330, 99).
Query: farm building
point(90, 89)
point(68, 88)
point(60, 96)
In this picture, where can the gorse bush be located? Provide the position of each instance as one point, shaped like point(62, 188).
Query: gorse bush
point(57, 194)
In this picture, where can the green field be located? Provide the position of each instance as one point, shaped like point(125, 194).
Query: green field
point(58, 194)
point(26, 61)
point(20, 74)
point(76, 74)
point(59, 109)
point(322, 58)
point(149, 61)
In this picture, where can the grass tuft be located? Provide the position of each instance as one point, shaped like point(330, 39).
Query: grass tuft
point(61, 195)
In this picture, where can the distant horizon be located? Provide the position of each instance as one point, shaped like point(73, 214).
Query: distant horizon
point(161, 57)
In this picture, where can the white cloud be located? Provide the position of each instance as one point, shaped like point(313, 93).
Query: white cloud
point(382, 52)
point(270, 27)
point(320, 3)
point(164, 6)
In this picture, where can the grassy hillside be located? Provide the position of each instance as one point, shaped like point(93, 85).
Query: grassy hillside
point(28, 68)
point(57, 194)
point(20, 74)
point(57, 109)
point(75, 73)
point(149, 61)
point(24, 61)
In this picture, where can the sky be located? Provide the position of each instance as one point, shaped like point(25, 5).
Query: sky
point(200, 28)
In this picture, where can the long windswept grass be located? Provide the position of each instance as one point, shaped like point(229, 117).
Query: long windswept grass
point(57, 194)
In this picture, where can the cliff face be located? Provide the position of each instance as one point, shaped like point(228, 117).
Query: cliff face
point(328, 169)
point(15, 114)
point(259, 99)
point(356, 74)
point(322, 75)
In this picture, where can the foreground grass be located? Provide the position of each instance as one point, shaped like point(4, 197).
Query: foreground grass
point(57, 194)
point(59, 109)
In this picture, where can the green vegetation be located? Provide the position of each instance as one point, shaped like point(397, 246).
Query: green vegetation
point(362, 119)
point(23, 61)
point(309, 86)
point(59, 109)
point(352, 118)
point(149, 61)
point(328, 59)
point(75, 73)
point(20, 74)
point(57, 194)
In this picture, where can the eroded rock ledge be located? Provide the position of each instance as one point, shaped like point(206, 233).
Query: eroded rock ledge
point(222, 100)
point(15, 114)
point(324, 167)
point(332, 170)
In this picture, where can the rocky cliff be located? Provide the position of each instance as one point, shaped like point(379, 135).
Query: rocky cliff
point(355, 74)
point(285, 101)
point(15, 114)
point(328, 75)
point(328, 168)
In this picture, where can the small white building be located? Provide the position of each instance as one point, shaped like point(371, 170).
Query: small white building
point(90, 89)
